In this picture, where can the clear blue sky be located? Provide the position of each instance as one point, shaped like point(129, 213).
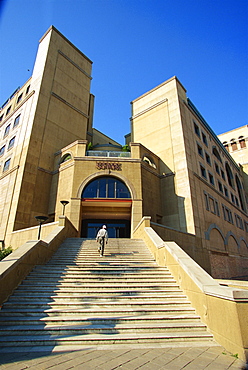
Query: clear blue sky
point(135, 45)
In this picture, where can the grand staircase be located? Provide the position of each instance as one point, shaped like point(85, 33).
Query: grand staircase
point(79, 298)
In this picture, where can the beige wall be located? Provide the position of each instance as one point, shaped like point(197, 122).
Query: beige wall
point(157, 124)
point(232, 140)
point(56, 112)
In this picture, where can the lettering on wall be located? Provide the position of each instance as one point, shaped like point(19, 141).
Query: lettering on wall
point(114, 166)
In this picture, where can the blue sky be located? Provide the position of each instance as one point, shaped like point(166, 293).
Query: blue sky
point(136, 45)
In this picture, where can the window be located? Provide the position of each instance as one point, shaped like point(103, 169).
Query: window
point(203, 171)
point(149, 161)
point(206, 201)
point(1, 118)
point(240, 192)
point(8, 110)
point(239, 222)
point(212, 204)
point(66, 157)
point(200, 151)
point(220, 186)
point(226, 192)
point(211, 178)
point(16, 121)
point(11, 143)
point(227, 214)
point(234, 145)
point(2, 150)
point(204, 139)
point(229, 175)
point(217, 154)
point(197, 130)
point(19, 98)
point(223, 175)
point(208, 159)
point(242, 142)
point(106, 187)
point(27, 90)
point(233, 198)
point(6, 165)
point(217, 169)
point(246, 226)
point(226, 145)
point(6, 132)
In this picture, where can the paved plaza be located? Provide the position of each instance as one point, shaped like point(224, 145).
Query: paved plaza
point(121, 357)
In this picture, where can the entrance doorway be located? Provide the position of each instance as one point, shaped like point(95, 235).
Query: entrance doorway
point(115, 228)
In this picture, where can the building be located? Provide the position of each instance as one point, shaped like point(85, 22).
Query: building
point(235, 142)
point(177, 171)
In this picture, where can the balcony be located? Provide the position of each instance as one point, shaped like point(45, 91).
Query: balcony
point(109, 154)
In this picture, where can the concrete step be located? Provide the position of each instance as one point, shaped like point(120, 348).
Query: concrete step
point(82, 319)
point(80, 298)
point(155, 304)
point(100, 328)
point(89, 298)
point(127, 338)
point(96, 310)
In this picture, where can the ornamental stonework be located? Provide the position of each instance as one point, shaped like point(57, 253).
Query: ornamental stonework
point(114, 166)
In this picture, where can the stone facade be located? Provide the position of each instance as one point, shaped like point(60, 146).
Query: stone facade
point(177, 170)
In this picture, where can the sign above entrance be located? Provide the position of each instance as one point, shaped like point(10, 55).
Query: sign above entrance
point(114, 166)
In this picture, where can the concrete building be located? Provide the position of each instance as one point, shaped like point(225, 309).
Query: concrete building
point(177, 171)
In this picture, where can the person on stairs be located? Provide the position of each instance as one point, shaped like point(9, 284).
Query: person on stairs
point(102, 238)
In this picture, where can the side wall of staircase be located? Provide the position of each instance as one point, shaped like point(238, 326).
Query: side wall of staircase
point(16, 266)
point(223, 309)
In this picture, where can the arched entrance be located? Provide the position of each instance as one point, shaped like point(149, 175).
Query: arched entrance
point(106, 200)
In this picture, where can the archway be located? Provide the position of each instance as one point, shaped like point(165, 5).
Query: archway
point(106, 200)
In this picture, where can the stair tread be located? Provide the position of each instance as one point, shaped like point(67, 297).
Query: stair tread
point(79, 298)
point(196, 334)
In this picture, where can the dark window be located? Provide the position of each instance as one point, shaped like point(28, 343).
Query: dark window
point(233, 198)
point(6, 165)
point(239, 222)
point(16, 121)
point(11, 143)
point(204, 139)
point(246, 226)
point(19, 98)
point(217, 169)
point(226, 146)
point(206, 201)
point(200, 151)
point(229, 175)
point(220, 186)
point(2, 150)
point(227, 214)
point(8, 110)
point(226, 192)
point(203, 171)
point(242, 142)
point(211, 178)
point(6, 132)
point(1, 117)
point(65, 158)
point(223, 175)
point(211, 204)
point(240, 192)
point(106, 187)
point(27, 90)
point(217, 154)
point(234, 145)
point(197, 131)
point(208, 159)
